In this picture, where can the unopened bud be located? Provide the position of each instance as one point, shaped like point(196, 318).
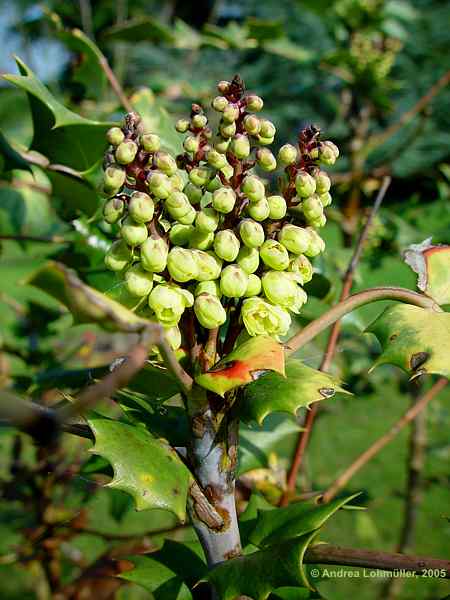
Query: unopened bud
point(274, 255)
point(223, 200)
point(326, 199)
point(173, 336)
point(253, 286)
point(150, 142)
point(317, 245)
point(295, 239)
point(115, 136)
point(208, 287)
point(233, 281)
point(263, 141)
point(165, 163)
point(318, 222)
point(202, 240)
point(267, 129)
point(227, 130)
point(159, 184)
point(248, 259)
point(141, 207)
point(154, 253)
point(227, 171)
point(221, 145)
point(216, 159)
point(312, 207)
point(177, 181)
point(113, 179)
point(209, 311)
point(262, 318)
point(209, 266)
point(191, 144)
point(223, 87)
point(168, 304)
point(189, 217)
point(280, 289)
point(305, 184)
point(126, 152)
point(182, 125)
point(199, 121)
point(133, 233)
point(253, 188)
point(207, 220)
point(226, 245)
point(177, 204)
point(182, 265)
point(138, 282)
point(180, 234)
point(193, 192)
point(219, 103)
point(252, 124)
point(259, 210)
point(230, 113)
point(328, 153)
point(323, 182)
point(113, 210)
point(251, 232)
point(214, 184)
point(277, 207)
point(254, 103)
point(265, 159)
point(240, 146)
point(118, 256)
point(301, 267)
point(200, 175)
point(288, 154)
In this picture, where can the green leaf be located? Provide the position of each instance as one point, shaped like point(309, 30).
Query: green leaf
point(293, 593)
point(146, 468)
point(291, 521)
point(432, 265)
point(287, 49)
point(86, 304)
point(139, 30)
point(11, 158)
point(63, 136)
point(246, 363)
point(301, 386)
point(258, 574)
point(414, 339)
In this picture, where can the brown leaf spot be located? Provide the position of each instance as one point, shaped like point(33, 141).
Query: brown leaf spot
point(418, 359)
point(327, 392)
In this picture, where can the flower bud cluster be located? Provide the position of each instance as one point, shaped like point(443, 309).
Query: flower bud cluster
point(200, 236)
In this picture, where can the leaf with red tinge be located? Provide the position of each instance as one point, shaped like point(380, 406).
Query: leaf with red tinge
point(245, 364)
point(432, 265)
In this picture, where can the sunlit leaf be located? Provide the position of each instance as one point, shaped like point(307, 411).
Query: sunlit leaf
point(432, 265)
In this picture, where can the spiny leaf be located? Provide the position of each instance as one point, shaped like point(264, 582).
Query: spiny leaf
point(432, 265)
point(246, 363)
point(86, 304)
point(414, 339)
point(294, 520)
point(301, 386)
point(145, 467)
point(11, 158)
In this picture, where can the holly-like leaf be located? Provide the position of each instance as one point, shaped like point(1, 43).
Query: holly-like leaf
point(145, 467)
point(432, 265)
point(86, 304)
point(415, 339)
point(11, 159)
point(301, 386)
point(257, 575)
point(291, 521)
point(63, 136)
point(246, 363)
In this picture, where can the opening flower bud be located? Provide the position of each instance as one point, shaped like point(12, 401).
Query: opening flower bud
point(295, 239)
point(277, 207)
point(226, 245)
point(167, 303)
point(180, 234)
point(173, 336)
point(254, 103)
point(251, 232)
point(209, 266)
point(252, 124)
point(182, 125)
point(154, 253)
point(207, 220)
point(159, 184)
point(126, 152)
point(221, 145)
point(227, 130)
point(115, 136)
point(267, 129)
point(208, 287)
point(118, 256)
point(219, 103)
point(274, 255)
point(202, 240)
point(248, 259)
point(138, 282)
point(200, 175)
point(182, 265)
point(216, 159)
point(230, 113)
point(280, 289)
point(223, 87)
point(177, 205)
point(253, 286)
point(191, 144)
point(113, 210)
point(253, 188)
point(165, 163)
point(150, 142)
point(262, 318)
point(316, 245)
point(326, 199)
point(301, 266)
point(323, 182)
point(223, 200)
point(265, 159)
point(141, 207)
point(193, 192)
point(233, 281)
point(259, 210)
point(312, 207)
point(113, 179)
point(288, 154)
point(199, 121)
point(240, 146)
point(305, 184)
point(209, 311)
point(133, 233)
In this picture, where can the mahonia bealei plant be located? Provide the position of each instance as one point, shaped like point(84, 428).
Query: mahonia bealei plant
point(200, 234)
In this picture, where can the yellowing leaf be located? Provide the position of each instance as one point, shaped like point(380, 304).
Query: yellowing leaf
point(432, 265)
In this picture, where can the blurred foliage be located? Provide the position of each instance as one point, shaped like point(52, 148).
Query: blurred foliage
point(353, 67)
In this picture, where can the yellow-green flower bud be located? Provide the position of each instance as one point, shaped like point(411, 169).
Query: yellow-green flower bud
point(159, 184)
point(253, 286)
point(176, 182)
point(226, 245)
point(113, 210)
point(138, 282)
point(223, 200)
point(182, 265)
point(248, 259)
point(219, 103)
point(263, 141)
point(280, 289)
point(274, 255)
point(126, 152)
point(326, 199)
point(209, 311)
point(165, 163)
point(141, 207)
point(173, 336)
point(207, 220)
point(201, 175)
point(328, 153)
point(262, 318)
point(323, 182)
point(259, 210)
point(233, 281)
point(312, 207)
point(318, 222)
point(221, 145)
point(288, 154)
point(199, 121)
point(295, 239)
point(230, 113)
point(182, 125)
point(202, 240)
point(150, 142)
point(216, 159)
point(167, 303)
point(267, 129)
point(253, 188)
point(180, 235)
point(189, 217)
point(223, 87)
point(240, 146)
point(254, 103)
point(301, 266)
point(252, 124)
point(133, 234)
point(209, 266)
point(115, 136)
point(305, 184)
point(118, 256)
point(265, 159)
point(178, 205)
point(154, 253)
point(316, 246)
point(208, 287)
point(191, 144)
point(251, 232)
point(227, 130)
point(277, 207)
point(227, 171)
point(193, 192)
point(113, 179)
point(214, 184)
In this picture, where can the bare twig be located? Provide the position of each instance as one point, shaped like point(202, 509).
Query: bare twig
point(377, 446)
point(330, 350)
point(114, 83)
